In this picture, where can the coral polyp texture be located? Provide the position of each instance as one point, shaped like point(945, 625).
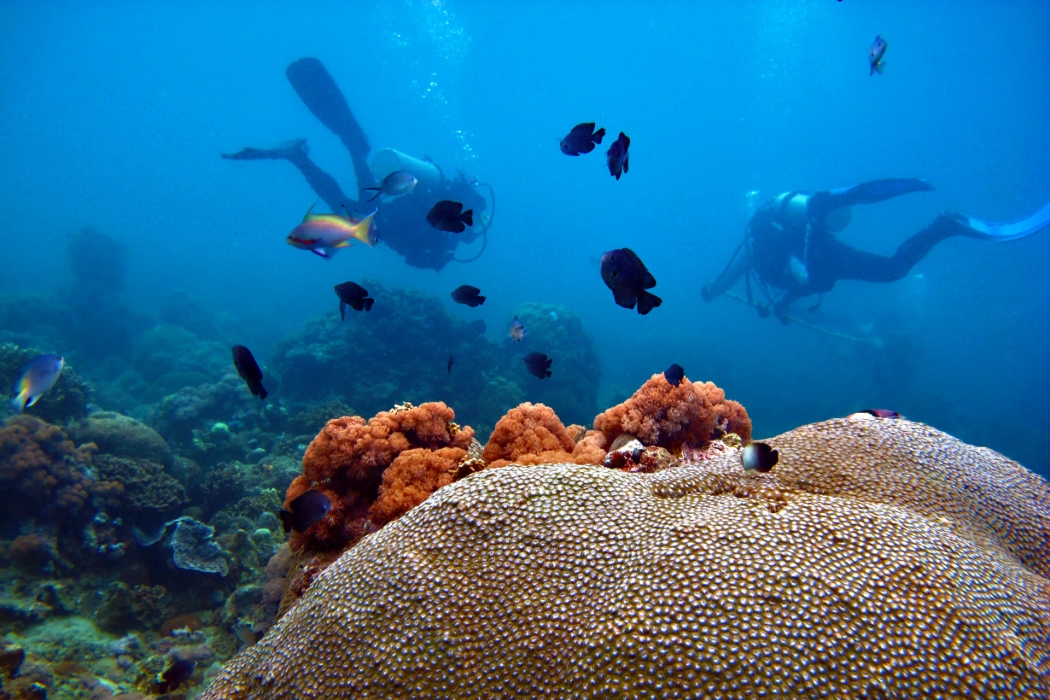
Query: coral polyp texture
point(660, 414)
point(348, 459)
point(575, 581)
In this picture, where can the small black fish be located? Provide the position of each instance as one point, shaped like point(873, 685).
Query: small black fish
point(450, 361)
point(449, 216)
point(626, 275)
point(249, 370)
point(305, 510)
point(353, 295)
point(175, 675)
point(581, 139)
point(617, 157)
point(881, 413)
point(538, 364)
point(674, 374)
point(759, 457)
point(465, 294)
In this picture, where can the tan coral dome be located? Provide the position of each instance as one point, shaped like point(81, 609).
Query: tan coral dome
point(582, 582)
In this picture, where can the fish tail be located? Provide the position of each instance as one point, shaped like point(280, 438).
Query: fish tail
point(19, 402)
point(647, 301)
point(468, 217)
point(368, 301)
point(880, 66)
point(361, 229)
point(598, 135)
point(481, 300)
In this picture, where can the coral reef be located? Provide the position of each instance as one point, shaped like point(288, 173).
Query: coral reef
point(42, 473)
point(559, 333)
point(347, 461)
point(533, 434)
point(122, 436)
point(411, 478)
point(702, 580)
point(67, 399)
point(662, 415)
point(149, 495)
point(362, 361)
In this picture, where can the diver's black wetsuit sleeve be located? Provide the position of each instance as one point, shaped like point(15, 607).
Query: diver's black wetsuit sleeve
point(833, 260)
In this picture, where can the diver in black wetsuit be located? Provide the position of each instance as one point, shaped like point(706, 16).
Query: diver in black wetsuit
point(400, 223)
point(790, 250)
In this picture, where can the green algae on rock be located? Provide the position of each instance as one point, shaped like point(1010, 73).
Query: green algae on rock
point(584, 582)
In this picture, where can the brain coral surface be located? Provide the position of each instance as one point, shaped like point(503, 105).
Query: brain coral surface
point(575, 581)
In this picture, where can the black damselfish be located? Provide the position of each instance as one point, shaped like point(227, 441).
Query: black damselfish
point(538, 364)
point(353, 295)
point(175, 675)
point(581, 139)
point(249, 370)
point(465, 294)
point(449, 216)
point(759, 457)
point(626, 275)
point(305, 510)
point(674, 374)
point(617, 157)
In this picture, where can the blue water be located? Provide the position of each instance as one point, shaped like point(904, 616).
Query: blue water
point(113, 115)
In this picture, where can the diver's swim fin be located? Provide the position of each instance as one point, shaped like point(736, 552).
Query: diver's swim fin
point(318, 91)
point(1007, 230)
point(875, 191)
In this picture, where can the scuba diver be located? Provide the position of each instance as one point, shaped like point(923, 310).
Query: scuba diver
point(790, 251)
point(400, 223)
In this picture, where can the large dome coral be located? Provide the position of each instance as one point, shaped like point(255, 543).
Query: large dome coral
point(697, 581)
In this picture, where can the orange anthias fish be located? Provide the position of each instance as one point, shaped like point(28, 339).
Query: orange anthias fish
point(325, 234)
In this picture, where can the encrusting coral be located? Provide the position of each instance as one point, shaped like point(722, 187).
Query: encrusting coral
point(818, 579)
point(347, 461)
point(533, 434)
point(42, 473)
point(660, 414)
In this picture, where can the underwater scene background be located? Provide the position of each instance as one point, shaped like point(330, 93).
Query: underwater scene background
point(132, 249)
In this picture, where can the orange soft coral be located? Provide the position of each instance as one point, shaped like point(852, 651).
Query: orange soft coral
point(660, 414)
point(533, 434)
point(413, 476)
point(347, 460)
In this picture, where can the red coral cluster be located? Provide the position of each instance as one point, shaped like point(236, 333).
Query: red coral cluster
point(661, 414)
point(42, 473)
point(533, 434)
point(414, 475)
point(347, 461)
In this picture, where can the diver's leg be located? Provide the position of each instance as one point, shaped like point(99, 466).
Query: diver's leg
point(297, 153)
point(736, 268)
point(833, 260)
point(318, 91)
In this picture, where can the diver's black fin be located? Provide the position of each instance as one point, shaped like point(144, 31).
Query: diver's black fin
point(320, 94)
point(876, 191)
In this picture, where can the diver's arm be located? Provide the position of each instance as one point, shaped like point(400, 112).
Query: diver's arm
point(736, 268)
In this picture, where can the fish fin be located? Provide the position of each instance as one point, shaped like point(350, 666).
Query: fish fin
point(342, 310)
point(321, 252)
point(361, 230)
point(625, 298)
point(626, 162)
point(468, 217)
point(309, 212)
point(378, 192)
point(261, 393)
point(879, 67)
point(19, 402)
point(598, 135)
point(481, 300)
point(647, 301)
